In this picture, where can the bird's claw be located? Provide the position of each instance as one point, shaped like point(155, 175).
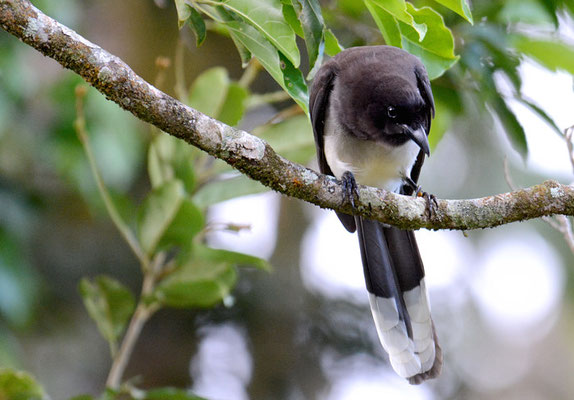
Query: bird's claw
point(432, 203)
point(350, 188)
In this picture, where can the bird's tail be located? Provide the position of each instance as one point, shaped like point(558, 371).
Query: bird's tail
point(394, 275)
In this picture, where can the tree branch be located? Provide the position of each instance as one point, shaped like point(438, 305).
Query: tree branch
point(251, 155)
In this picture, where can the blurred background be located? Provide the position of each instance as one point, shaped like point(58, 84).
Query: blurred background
point(502, 298)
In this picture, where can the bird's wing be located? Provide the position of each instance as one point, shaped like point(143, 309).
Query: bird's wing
point(318, 105)
point(424, 87)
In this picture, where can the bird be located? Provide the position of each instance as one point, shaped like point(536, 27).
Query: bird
point(371, 109)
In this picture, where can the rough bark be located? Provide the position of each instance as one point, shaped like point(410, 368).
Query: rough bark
point(255, 158)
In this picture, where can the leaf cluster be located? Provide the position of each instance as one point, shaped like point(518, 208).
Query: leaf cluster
point(267, 30)
point(167, 231)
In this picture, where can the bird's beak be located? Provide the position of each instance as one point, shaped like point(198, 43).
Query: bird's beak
point(419, 136)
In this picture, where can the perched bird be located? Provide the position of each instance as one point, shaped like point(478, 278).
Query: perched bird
point(371, 109)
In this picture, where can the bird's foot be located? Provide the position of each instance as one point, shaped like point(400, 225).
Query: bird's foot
point(432, 204)
point(350, 188)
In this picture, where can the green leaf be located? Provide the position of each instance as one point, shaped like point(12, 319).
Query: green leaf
point(18, 385)
point(267, 17)
point(231, 257)
point(82, 397)
point(351, 8)
point(183, 12)
point(18, 280)
point(260, 47)
point(188, 222)
point(112, 394)
point(268, 56)
point(227, 189)
point(110, 304)
point(494, 41)
point(213, 94)
point(204, 278)
point(196, 284)
point(460, 7)
point(158, 213)
point(244, 52)
point(541, 113)
point(332, 46)
point(313, 27)
point(291, 18)
point(292, 138)
point(532, 12)
point(552, 9)
point(170, 158)
point(125, 207)
point(182, 165)
point(436, 50)
point(552, 54)
point(209, 90)
point(234, 106)
point(170, 394)
point(398, 10)
point(197, 26)
point(294, 82)
point(186, 13)
point(386, 23)
point(512, 127)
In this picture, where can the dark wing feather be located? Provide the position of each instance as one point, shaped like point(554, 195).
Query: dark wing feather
point(318, 106)
point(424, 87)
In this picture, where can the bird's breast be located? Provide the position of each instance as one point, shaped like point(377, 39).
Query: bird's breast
point(373, 163)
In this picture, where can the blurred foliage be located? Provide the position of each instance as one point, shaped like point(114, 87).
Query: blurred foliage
point(110, 304)
point(157, 394)
point(16, 385)
point(168, 233)
point(44, 167)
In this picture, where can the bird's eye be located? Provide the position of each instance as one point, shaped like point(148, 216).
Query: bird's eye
point(392, 112)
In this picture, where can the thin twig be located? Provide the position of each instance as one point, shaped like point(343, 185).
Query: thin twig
point(162, 64)
point(141, 315)
point(123, 228)
point(180, 88)
point(507, 176)
point(568, 132)
point(286, 113)
point(566, 230)
point(139, 318)
point(563, 224)
point(257, 100)
point(250, 73)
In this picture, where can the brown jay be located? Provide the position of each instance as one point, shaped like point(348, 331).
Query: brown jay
point(371, 110)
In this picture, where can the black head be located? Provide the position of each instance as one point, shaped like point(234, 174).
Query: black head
point(384, 95)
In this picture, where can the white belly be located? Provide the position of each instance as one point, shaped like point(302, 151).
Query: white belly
point(373, 163)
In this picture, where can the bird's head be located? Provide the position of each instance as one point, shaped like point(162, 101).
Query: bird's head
point(390, 109)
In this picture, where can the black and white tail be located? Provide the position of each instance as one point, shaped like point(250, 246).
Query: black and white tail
point(394, 275)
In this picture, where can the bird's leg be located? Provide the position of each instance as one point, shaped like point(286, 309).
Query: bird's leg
point(417, 191)
point(350, 189)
